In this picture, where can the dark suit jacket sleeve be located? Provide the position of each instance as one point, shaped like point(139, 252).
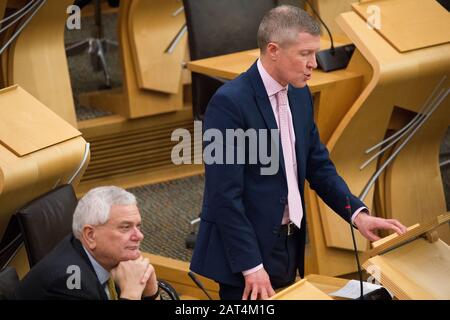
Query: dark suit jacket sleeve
point(324, 179)
point(58, 290)
point(224, 190)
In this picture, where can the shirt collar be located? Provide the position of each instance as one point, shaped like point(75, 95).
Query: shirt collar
point(272, 86)
point(102, 274)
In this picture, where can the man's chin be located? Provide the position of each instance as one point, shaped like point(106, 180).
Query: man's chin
point(299, 84)
point(133, 254)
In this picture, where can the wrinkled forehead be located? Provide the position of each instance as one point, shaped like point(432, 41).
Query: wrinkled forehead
point(129, 213)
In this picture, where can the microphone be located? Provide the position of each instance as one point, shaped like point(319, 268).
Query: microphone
point(199, 284)
point(349, 210)
point(333, 58)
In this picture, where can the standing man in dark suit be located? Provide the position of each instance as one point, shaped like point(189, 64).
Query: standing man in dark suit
point(252, 231)
point(101, 259)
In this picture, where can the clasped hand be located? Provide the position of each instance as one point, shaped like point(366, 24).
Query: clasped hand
point(135, 278)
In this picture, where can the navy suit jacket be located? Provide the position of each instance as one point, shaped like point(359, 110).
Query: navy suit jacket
point(47, 280)
point(242, 209)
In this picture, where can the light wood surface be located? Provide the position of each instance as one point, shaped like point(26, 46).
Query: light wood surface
point(409, 24)
point(301, 290)
point(51, 163)
point(37, 60)
point(418, 270)
point(176, 273)
point(328, 11)
point(25, 178)
point(326, 284)
point(414, 231)
point(27, 125)
point(151, 30)
point(415, 265)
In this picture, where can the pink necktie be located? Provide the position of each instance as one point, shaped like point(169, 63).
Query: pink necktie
point(294, 200)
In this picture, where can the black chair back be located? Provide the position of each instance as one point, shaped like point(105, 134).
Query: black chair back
point(219, 27)
point(9, 280)
point(46, 220)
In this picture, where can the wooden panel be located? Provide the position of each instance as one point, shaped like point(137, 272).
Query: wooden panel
point(25, 178)
point(301, 290)
point(38, 63)
point(328, 11)
point(151, 29)
point(27, 125)
point(409, 24)
point(417, 270)
point(132, 153)
point(176, 273)
point(326, 284)
point(414, 231)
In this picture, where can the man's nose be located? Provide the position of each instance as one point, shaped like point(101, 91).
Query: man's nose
point(137, 234)
point(312, 63)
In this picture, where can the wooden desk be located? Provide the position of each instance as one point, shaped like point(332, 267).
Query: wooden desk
point(325, 283)
point(176, 273)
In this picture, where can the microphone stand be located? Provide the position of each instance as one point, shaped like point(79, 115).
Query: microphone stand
point(349, 210)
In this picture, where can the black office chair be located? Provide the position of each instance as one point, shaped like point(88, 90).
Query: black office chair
point(219, 27)
point(45, 221)
point(97, 45)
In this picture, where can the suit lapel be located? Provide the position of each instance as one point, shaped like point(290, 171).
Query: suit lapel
point(79, 248)
point(264, 106)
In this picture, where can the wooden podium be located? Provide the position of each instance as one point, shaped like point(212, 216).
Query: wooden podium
point(415, 265)
point(301, 290)
point(38, 152)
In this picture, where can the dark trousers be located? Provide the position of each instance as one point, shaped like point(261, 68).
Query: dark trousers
point(281, 265)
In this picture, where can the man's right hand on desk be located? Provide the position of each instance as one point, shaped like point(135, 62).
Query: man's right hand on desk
point(257, 286)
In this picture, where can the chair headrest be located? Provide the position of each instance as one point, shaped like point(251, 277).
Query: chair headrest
point(47, 220)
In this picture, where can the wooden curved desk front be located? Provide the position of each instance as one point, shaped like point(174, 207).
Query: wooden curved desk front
point(38, 152)
point(37, 61)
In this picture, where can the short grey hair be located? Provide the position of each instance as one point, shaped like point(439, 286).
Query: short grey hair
point(283, 23)
point(94, 208)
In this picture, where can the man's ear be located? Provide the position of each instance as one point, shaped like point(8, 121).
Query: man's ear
point(272, 50)
point(89, 236)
